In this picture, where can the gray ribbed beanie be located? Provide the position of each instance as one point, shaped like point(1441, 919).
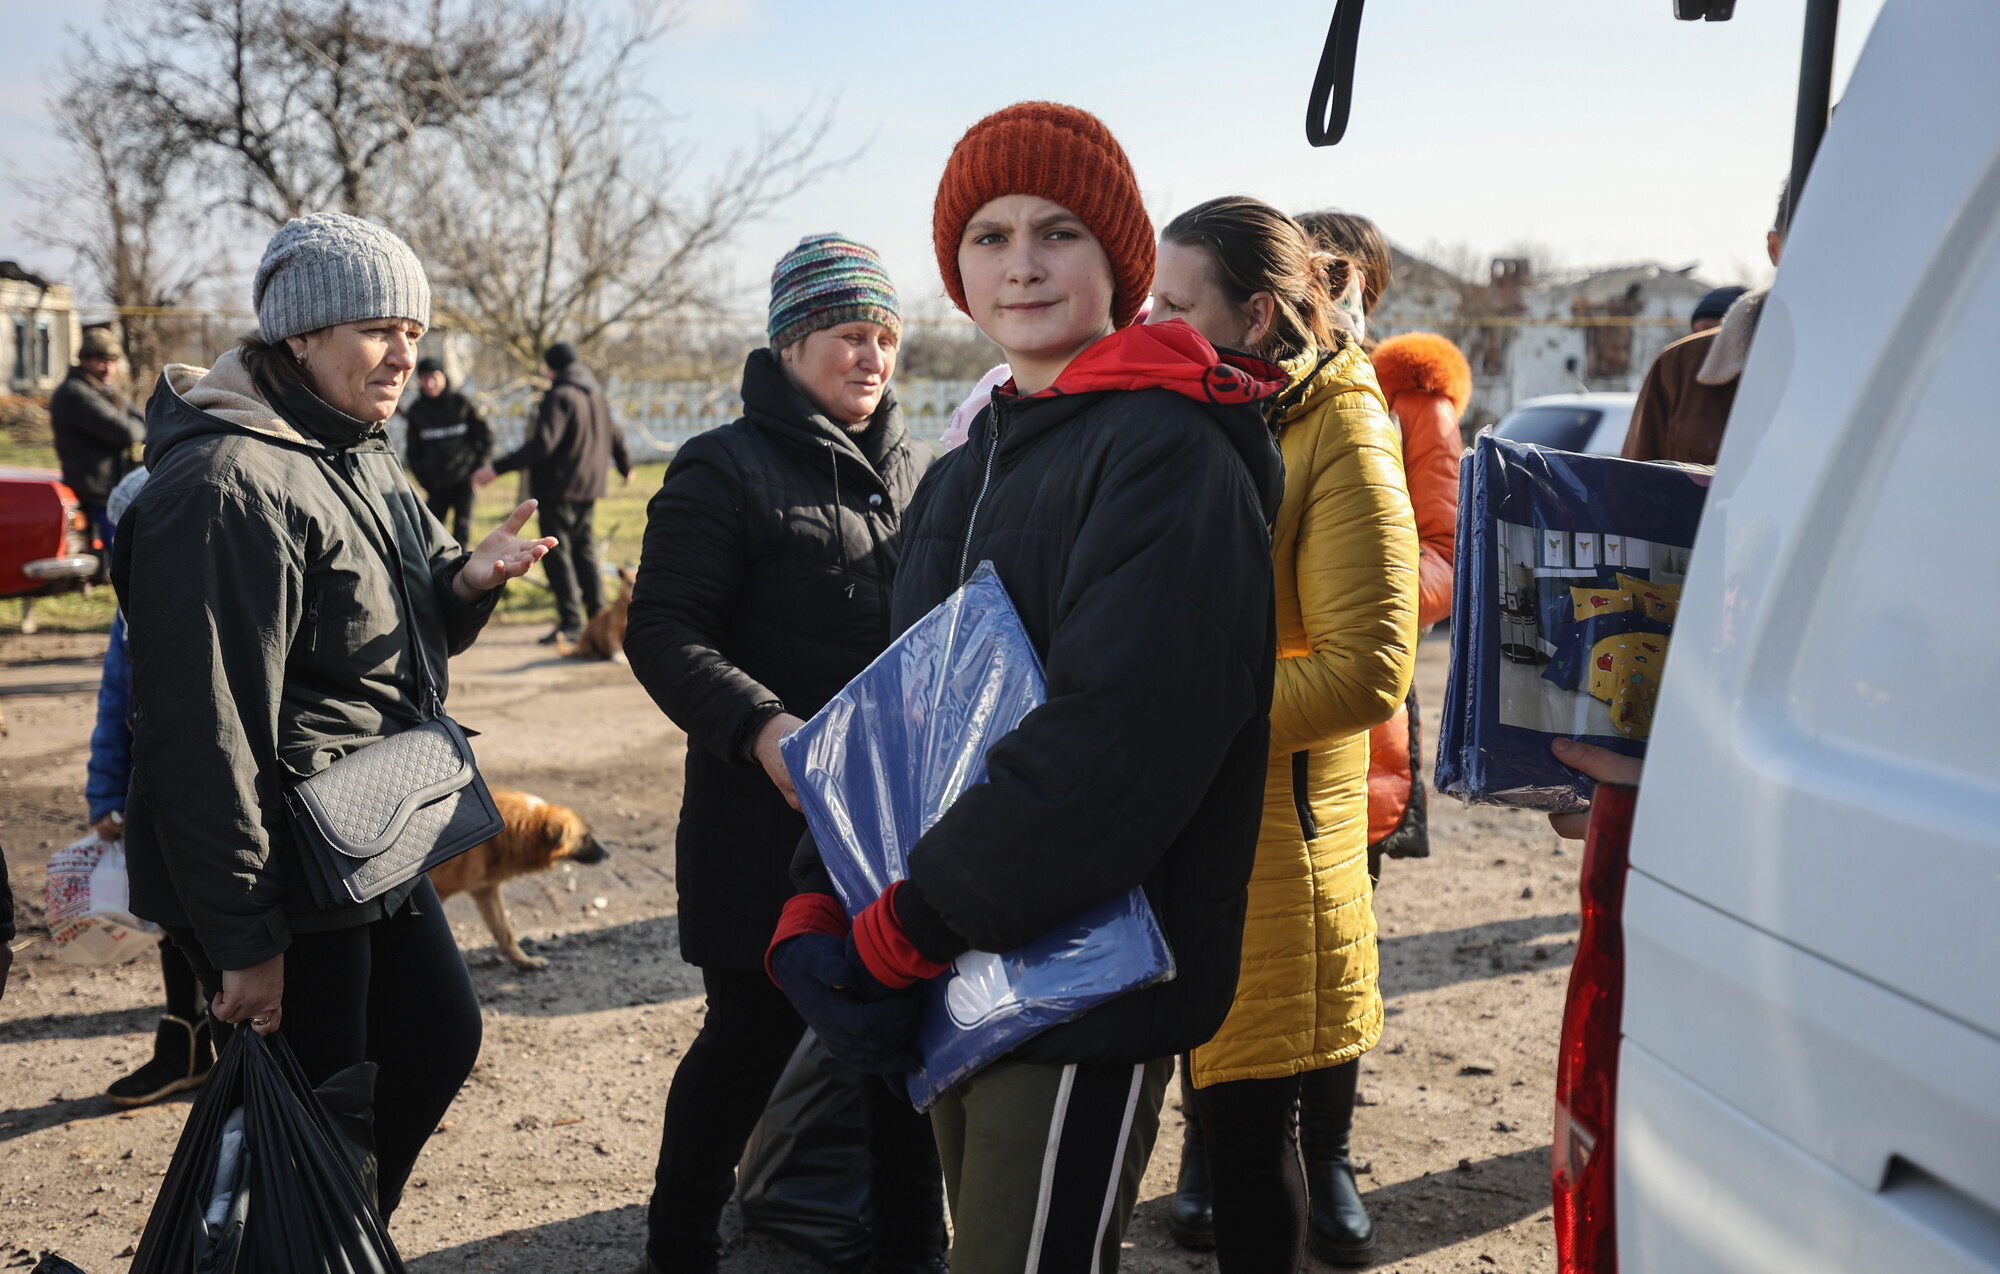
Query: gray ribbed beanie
point(330, 268)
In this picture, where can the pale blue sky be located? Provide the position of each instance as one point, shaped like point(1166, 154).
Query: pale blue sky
point(1600, 128)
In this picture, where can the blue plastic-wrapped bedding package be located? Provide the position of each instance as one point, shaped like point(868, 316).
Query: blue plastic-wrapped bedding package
point(883, 761)
point(1566, 588)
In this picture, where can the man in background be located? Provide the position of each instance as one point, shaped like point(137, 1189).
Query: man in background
point(1684, 404)
point(574, 441)
point(448, 442)
point(95, 429)
point(1709, 310)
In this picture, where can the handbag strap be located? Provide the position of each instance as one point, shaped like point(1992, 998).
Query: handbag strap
point(393, 559)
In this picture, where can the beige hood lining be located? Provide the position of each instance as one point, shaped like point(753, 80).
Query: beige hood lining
point(228, 392)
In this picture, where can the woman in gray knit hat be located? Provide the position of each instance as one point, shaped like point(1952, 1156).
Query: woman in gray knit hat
point(269, 639)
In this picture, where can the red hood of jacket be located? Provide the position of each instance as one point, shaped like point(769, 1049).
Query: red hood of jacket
point(1170, 355)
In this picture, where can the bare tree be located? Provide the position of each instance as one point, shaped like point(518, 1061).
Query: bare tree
point(295, 105)
point(563, 214)
point(118, 202)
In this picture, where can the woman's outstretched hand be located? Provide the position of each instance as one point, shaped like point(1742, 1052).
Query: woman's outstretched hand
point(501, 556)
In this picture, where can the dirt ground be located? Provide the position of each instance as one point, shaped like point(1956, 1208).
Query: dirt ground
point(545, 1161)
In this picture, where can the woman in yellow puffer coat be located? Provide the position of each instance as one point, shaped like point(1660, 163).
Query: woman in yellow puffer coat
point(1345, 552)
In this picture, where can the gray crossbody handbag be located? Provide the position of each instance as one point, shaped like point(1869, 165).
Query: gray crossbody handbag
point(375, 818)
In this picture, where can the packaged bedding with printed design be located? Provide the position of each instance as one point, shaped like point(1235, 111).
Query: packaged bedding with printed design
point(1568, 582)
point(883, 761)
point(89, 905)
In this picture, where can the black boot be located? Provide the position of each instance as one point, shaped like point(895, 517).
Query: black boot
point(1340, 1230)
point(1191, 1219)
point(182, 1055)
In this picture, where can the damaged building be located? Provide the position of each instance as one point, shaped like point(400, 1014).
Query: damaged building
point(1525, 336)
point(38, 323)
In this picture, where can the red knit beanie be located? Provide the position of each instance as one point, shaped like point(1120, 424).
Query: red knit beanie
point(1061, 154)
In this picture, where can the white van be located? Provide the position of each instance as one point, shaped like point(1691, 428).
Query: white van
point(1806, 1073)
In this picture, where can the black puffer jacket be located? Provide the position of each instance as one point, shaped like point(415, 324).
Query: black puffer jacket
point(267, 642)
point(1130, 528)
point(763, 586)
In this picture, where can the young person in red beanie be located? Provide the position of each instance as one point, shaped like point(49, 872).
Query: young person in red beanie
point(1122, 484)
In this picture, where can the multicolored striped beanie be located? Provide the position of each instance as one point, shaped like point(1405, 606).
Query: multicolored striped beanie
point(827, 280)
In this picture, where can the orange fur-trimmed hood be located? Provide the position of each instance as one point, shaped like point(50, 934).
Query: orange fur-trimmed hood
point(1426, 363)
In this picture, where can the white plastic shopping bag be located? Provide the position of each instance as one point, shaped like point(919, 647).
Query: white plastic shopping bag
point(89, 905)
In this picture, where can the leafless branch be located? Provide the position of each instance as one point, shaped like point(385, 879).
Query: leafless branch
point(564, 214)
point(294, 105)
point(118, 203)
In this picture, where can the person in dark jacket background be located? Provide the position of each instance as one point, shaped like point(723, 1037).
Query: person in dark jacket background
point(448, 442)
point(1122, 485)
point(1684, 402)
point(95, 429)
point(574, 441)
point(763, 588)
point(269, 638)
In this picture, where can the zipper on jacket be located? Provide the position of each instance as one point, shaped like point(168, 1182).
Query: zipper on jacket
point(312, 624)
point(992, 450)
point(833, 511)
point(1302, 796)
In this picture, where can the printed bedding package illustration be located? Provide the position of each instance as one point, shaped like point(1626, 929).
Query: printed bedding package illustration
point(1568, 583)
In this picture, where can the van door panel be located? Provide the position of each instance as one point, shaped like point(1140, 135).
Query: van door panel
point(1840, 1067)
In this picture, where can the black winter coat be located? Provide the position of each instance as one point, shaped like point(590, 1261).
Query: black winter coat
point(763, 586)
point(1130, 528)
point(574, 441)
point(94, 434)
point(267, 641)
point(448, 440)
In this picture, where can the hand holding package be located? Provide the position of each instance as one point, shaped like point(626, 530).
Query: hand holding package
point(883, 761)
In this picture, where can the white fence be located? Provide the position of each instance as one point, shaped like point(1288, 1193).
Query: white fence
point(657, 416)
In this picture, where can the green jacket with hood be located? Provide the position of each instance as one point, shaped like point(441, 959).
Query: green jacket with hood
point(267, 641)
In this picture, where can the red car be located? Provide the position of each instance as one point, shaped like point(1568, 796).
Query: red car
point(46, 542)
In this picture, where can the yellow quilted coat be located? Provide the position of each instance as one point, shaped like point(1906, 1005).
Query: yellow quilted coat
point(1345, 550)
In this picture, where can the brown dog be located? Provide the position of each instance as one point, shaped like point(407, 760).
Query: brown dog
point(538, 835)
point(604, 635)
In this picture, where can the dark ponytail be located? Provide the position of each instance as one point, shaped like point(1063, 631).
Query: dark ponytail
point(1257, 248)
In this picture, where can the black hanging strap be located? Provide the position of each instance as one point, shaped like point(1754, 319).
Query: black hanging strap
point(1333, 84)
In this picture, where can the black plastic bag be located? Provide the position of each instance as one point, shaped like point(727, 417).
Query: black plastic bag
point(288, 1191)
point(804, 1176)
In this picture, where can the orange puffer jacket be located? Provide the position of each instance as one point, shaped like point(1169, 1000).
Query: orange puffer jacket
point(1428, 384)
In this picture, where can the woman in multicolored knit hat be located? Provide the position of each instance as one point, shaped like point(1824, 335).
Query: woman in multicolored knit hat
point(763, 588)
point(1121, 484)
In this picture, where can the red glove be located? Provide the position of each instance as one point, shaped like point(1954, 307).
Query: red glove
point(883, 946)
point(806, 913)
